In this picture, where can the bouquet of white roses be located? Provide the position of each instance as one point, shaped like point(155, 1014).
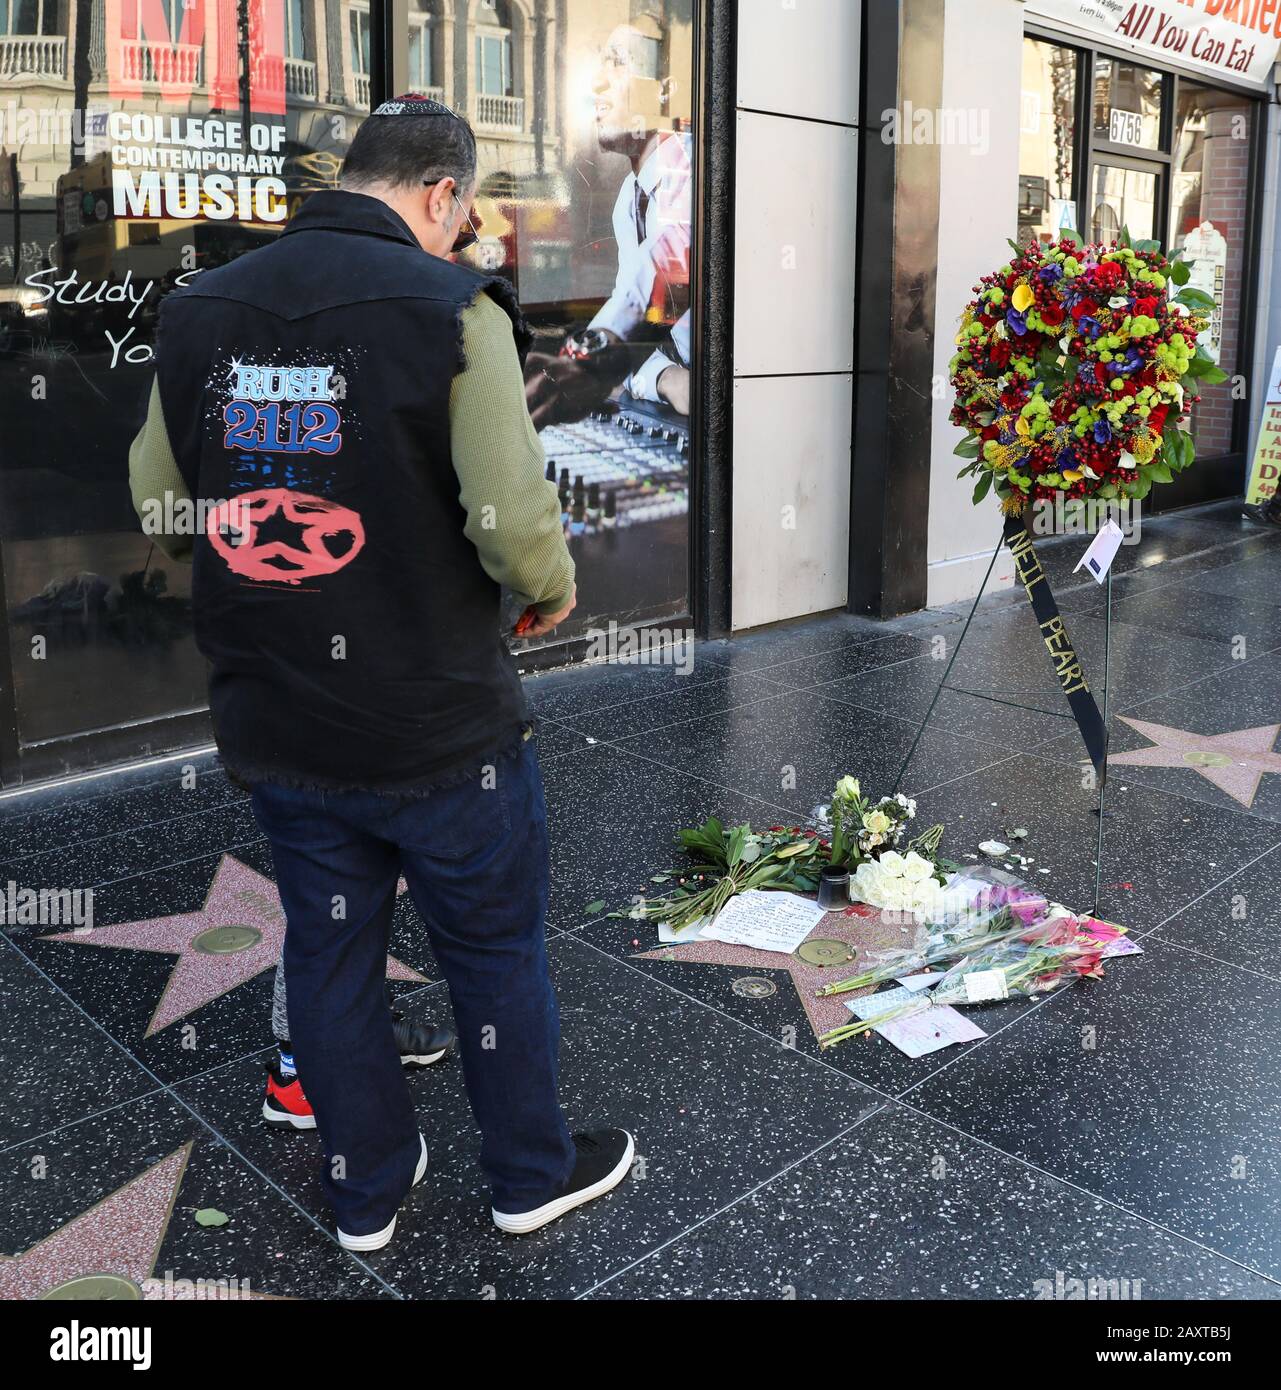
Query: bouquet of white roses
point(898, 883)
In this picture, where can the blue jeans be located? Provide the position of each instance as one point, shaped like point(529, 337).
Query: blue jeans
point(475, 859)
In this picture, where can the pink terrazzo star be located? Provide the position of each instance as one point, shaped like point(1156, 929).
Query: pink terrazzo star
point(861, 928)
point(1235, 762)
point(120, 1236)
point(236, 935)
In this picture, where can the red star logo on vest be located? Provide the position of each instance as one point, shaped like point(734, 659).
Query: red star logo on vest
point(282, 536)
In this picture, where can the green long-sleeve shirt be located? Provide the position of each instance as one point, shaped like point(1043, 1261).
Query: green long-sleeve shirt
point(513, 512)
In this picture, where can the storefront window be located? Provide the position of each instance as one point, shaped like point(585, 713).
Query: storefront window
point(1047, 137)
point(583, 120)
point(1208, 210)
point(358, 26)
point(1127, 104)
point(102, 212)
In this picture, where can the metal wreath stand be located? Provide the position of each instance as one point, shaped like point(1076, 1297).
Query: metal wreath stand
point(1101, 770)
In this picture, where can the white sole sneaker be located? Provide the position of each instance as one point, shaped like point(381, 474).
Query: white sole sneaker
point(378, 1239)
point(527, 1221)
point(283, 1117)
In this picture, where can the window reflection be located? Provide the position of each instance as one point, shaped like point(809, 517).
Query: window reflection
point(1127, 104)
point(102, 213)
point(1208, 204)
point(1047, 134)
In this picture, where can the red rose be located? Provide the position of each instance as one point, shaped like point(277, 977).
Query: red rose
point(1085, 308)
point(1146, 307)
point(1156, 421)
point(1052, 315)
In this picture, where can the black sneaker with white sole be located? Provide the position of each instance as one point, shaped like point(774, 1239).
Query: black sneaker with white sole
point(604, 1160)
point(377, 1239)
point(421, 1044)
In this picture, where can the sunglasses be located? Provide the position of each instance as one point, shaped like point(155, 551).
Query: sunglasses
point(468, 235)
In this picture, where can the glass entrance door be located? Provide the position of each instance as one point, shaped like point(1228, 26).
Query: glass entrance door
point(1124, 193)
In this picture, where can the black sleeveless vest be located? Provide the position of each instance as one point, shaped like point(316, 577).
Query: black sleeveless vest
point(352, 635)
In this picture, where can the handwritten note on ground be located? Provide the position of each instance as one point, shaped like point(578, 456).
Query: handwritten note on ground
point(766, 921)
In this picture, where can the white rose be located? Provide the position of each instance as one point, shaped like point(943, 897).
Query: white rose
point(868, 881)
point(892, 863)
point(896, 894)
point(917, 869)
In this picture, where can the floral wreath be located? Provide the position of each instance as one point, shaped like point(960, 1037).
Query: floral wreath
point(1075, 367)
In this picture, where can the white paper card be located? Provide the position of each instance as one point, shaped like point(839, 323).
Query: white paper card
point(982, 985)
point(931, 1028)
point(919, 982)
point(692, 932)
point(1122, 946)
point(766, 921)
point(1102, 551)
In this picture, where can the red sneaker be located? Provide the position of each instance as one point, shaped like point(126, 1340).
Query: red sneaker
point(285, 1103)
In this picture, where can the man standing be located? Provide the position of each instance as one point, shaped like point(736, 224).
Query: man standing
point(347, 407)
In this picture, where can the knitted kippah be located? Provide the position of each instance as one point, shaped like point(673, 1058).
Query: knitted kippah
point(411, 104)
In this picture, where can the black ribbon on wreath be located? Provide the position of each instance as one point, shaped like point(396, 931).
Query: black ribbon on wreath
point(1067, 663)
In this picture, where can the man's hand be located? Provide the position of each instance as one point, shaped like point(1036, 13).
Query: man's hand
point(542, 624)
point(673, 387)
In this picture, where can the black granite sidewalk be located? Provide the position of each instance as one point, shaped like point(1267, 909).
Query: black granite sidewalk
point(1125, 1129)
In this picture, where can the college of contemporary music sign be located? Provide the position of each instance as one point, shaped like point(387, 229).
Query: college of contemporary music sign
point(1233, 39)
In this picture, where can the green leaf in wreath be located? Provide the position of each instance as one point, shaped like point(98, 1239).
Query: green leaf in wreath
point(968, 448)
point(1193, 298)
point(1180, 271)
point(982, 488)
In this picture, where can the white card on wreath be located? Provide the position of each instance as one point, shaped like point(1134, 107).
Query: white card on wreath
point(1102, 551)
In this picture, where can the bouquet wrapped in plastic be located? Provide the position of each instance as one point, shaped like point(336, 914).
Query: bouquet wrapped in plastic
point(1025, 961)
point(975, 910)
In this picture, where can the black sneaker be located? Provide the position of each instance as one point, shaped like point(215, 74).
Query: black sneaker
point(420, 1044)
point(1266, 513)
point(604, 1158)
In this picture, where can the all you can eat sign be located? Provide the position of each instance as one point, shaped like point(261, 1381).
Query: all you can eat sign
point(1233, 39)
